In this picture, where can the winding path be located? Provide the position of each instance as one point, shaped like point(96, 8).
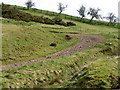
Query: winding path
point(85, 42)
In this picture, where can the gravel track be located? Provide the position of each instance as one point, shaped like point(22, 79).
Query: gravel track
point(86, 41)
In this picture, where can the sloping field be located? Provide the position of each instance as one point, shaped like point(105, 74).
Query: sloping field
point(86, 41)
point(94, 67)
point(26, 41)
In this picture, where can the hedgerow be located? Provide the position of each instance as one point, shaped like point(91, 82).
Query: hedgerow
point(58, 20)
point(14, 13)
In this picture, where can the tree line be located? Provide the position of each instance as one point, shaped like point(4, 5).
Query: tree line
point(92, 12)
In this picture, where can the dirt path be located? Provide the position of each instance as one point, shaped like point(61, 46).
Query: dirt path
point(85, 42)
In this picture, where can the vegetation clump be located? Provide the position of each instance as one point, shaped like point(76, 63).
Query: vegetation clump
point(53, 44)
point(58, 20)
point(13, 13)
point(67, 37)
point(71, 24)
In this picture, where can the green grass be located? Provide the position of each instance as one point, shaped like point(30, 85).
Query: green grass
point(100, 74)
point(26, 41)
point(51, 14)
point(58, 72)
point(90, 68)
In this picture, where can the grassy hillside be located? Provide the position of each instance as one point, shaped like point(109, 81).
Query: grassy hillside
point(11, 12)
point(52, 14)
point(96, 67)
point(26, 41)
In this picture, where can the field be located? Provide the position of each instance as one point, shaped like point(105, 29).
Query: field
point(95, 67)
point(26, 41)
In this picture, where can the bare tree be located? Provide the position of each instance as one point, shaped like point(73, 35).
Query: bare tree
point(29, 4)
point(112, 18)
point(81, 12)
point(94, 13)
point(61, 7)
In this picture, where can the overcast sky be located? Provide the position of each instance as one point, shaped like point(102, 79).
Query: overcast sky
point(106, 6)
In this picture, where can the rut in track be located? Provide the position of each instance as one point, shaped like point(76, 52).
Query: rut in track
point(85, 42)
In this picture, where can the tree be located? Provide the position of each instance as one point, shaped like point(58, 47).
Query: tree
point(112, 18)
point(94, 13)
point(29, 4)
point(61, 7)
point(82, 12)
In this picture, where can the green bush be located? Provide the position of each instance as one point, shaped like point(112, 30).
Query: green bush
point(37, 19)
point(49, 21)
point(59, 21)
point(71, 24)
point(13, 13)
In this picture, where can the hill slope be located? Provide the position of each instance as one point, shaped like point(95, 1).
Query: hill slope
point(26, 41)
point(96, 67)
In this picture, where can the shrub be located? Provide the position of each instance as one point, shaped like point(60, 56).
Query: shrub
point(62, 23)
point(13, 13)
point(59, 21)
point(67, 37)
point(37, 19)
point(71, 24)
point(53, 44)
point(48, 21)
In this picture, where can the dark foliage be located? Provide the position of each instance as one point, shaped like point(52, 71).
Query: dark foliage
point(59, 21)
point(27, 17)
point(13, 13)
point(53, 44)
point(71, 24)
point(48, 21)
point(67, 37)
point(37, 19)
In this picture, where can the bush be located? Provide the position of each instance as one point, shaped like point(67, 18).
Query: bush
point(53, 44)
point(59, 21)
point(67, 37)
point(37, 19)
point(71, 24)
point(49, 21)
point(13, 13)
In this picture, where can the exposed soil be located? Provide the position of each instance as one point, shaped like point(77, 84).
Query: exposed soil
point(86, 41)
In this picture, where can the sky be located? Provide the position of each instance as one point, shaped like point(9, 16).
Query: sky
point(106, 6)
